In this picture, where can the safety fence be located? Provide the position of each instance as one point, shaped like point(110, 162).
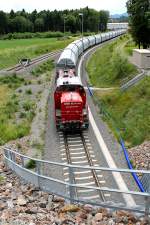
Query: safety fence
point(133, 81)
point(50, 183)
point(144, 183)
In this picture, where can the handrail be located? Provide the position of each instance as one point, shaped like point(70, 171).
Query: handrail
point(47, 183)
point(79, 167)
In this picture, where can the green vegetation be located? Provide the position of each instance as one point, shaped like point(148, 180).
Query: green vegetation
point(11, 51)
point(2, 179)
point(29, 35)
point(9, 129)
point(129, 46)
point(128, 111)
point(109, 65)
point(9, 106)
point(139, 18)
point(28, 91)
point(31, 164)
point(52, 21)
point(43, 68)
point(13, 81)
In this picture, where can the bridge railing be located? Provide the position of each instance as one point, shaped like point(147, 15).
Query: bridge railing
point(46, 175)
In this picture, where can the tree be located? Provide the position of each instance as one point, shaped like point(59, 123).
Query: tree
point(3, 22)
point(39, 24)
point(103, 20)
point(139, 20)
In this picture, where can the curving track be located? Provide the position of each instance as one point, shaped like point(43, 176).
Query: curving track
point(34, 61)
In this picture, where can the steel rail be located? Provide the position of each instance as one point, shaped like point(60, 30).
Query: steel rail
point(19, 67)
point(91, 164)
point(72, 177)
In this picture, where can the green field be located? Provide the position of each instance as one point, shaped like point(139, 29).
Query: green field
point(11, 51)
point(17, 107)
point(127, 111)
point(109, 65)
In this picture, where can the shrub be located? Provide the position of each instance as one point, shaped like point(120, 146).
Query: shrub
point(28, 91)
point(31, 164)
point(27, 106)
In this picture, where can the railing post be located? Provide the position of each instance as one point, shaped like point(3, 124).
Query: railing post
point(22, 161)
point(147, 208)
point(71, 188)
point(38, 171)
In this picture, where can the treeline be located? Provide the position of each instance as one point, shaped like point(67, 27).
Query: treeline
point(46, 20)
point(139, 21)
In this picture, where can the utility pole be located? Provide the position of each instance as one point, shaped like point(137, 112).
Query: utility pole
point(64, 25)
point(81, 14)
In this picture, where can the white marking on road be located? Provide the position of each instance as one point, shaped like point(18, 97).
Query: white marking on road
point(65, 168)
point(86, 184)
point(76, 149)
point(84, 178)
point(102, 181)
point(78, 157)
point(90, 197)
point(86, 190)
point(100, 175)
point(106, 195)
point(76, 145)
point(83, 172)
point(79, 162)
point(117, 176)
point(74, 141)
point(77, 153)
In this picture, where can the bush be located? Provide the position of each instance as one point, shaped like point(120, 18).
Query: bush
point(28, 35)
point(28, 91)
point(31, 164)
point(27, 106)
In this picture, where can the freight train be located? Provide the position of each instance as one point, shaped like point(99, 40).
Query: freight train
point(71, 109)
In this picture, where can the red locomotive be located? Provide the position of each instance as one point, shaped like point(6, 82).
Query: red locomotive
point(71, 110)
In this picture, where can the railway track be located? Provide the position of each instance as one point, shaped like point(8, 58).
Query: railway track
point(76, 149)
point(19, 67)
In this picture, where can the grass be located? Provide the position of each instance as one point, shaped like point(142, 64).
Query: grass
point(13, 81)
point(11, 51)
point(9, 129)
point(129, 46)
point(43, 68)
point(9, 104)
point(129, 111)
point(2, 179)
point(31, 164)
point(109, 65)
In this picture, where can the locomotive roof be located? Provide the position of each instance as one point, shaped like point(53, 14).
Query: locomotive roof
point(71, 97)
point(75, 80)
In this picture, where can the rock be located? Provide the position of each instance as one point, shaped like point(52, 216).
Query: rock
point(98, 217)
point(42, 204)
point(10, 204)
point(13, 195)
point(33, 210)
point(9, 185)
point(70, 208)
point(50, 198)
point(132, 218)
point(58, 199)
point(21, 201)
point(88, 208)
point(3, 206)
point(111, 222)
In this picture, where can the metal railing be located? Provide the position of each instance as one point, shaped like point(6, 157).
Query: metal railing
point(132, 81)
point(37, 176)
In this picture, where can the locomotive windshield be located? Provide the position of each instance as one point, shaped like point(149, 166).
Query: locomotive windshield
point(70, 88)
